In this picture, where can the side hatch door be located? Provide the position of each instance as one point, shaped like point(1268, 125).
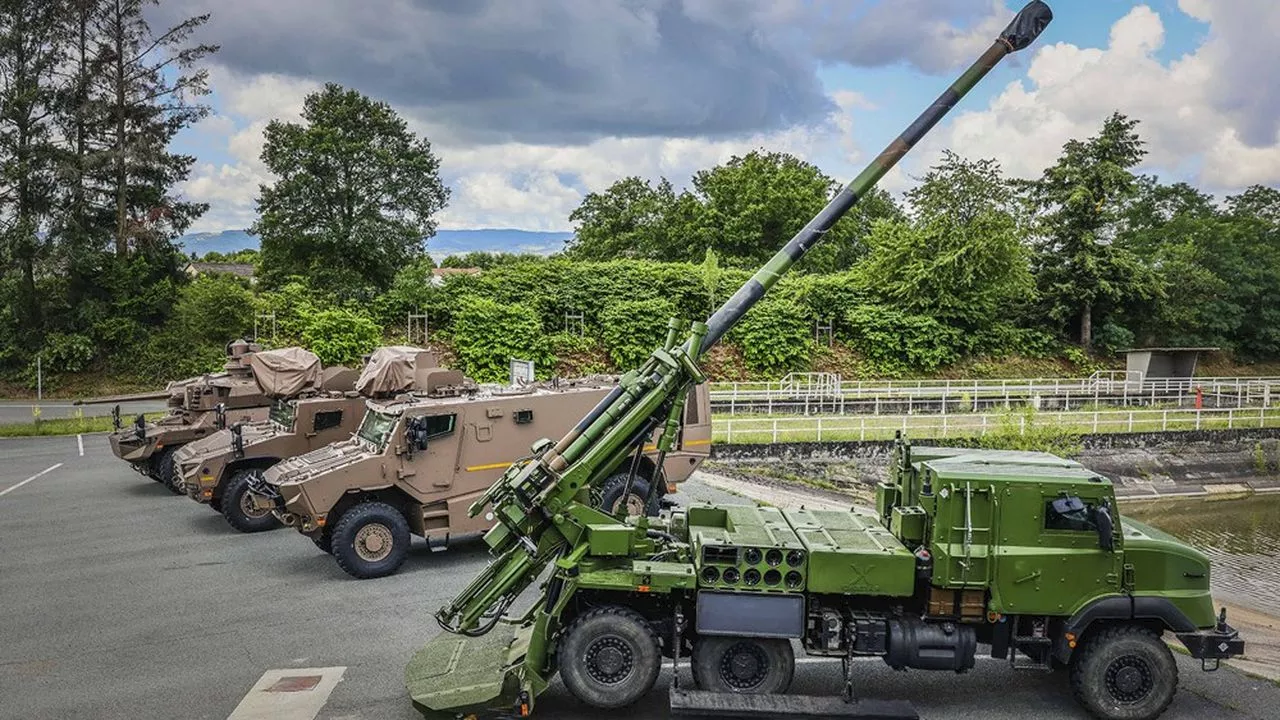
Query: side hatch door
point(434, 440)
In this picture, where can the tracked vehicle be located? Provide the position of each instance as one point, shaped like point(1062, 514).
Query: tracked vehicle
point(1024, 552)
point(311, 408)
point(420, 459)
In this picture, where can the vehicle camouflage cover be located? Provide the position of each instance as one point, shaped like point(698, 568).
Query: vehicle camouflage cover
point(431, 453)
point(312, 408)
point(199, 407)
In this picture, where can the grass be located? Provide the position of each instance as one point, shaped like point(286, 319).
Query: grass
point(62, 426)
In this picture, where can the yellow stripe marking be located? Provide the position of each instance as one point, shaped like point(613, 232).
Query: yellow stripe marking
point(490, 466)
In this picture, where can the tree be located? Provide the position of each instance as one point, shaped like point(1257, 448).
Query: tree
point(1078, 202)
point(355, 196)
point(29, 55)
point(149, 84)
point(630, 219)
point(959, 257)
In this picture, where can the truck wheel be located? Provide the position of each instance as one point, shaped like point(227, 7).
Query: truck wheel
point(756, 666)
point(609, 657)
point(237, 504)
point(370, 540)
point(167, 471)
point(1124, 672)
point(610, 495)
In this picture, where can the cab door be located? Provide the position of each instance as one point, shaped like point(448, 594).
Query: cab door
point(1068, 565)
point(434, 441)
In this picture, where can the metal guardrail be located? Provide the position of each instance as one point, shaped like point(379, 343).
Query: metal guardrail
point(883, 427)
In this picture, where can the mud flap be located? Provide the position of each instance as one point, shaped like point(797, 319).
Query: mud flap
point(802, 707)
point(455, 675)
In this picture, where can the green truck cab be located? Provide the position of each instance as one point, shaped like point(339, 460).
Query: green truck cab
point(1020, 553)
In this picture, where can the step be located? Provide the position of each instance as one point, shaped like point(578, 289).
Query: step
point(703, 703)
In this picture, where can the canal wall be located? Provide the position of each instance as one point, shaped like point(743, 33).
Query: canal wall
point(1153, 463)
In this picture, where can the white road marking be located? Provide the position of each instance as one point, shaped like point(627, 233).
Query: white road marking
point(80, 442)
point(11, 488)
point(289, 694)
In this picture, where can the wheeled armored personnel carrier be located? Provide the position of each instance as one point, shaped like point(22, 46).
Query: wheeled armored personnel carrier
point(418, 460)
point(311, 408)
point(197, 408)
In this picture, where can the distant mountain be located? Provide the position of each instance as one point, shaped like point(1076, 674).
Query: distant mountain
point(442, 245)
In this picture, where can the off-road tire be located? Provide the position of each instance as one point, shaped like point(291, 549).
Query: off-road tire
point(166, 471)
point(610, 493)
point(215, 504)
point(235, 495)
point(369, 523)
point(323, 540)
point(1124, 672)
point(753, 666)
point(609, 657)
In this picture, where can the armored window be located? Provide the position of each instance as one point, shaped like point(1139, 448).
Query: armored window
point(326, 420)
point(1070, 513)
point(438, 425)
point(523, 416)
point(691, 408)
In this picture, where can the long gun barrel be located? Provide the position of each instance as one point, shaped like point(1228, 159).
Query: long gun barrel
point(541, 506)
point(1020, 33)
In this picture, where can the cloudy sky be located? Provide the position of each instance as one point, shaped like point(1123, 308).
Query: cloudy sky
point(532, 103)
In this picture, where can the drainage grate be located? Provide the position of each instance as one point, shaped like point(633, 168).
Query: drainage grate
point(295, 683)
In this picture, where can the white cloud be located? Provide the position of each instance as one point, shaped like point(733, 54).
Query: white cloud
point(1190, 133)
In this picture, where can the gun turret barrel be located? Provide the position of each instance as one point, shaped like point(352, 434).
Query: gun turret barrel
point(133, 397)
point(1020, 33)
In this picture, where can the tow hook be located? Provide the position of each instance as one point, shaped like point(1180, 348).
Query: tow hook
point(1214, 646)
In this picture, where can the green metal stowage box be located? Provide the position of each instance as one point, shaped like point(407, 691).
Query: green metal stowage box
point(852, 553)
point(908, 523)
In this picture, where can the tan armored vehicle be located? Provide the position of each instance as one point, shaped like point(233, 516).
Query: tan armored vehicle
point(311, 408)
point(420, 459)
point(197, 406)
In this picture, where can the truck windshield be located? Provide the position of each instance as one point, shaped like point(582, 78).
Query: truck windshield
point(376, 428)
point(283, 413)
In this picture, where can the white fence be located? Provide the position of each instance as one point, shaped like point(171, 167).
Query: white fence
point(881, 427)
point(898, 396)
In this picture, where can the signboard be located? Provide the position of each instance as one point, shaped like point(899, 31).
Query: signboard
point(521, 371)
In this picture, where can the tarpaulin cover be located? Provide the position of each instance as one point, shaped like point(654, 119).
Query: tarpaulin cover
point(391, 369)
point(285, 372)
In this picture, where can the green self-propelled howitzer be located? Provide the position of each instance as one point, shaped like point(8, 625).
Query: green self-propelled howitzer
point(732, 587)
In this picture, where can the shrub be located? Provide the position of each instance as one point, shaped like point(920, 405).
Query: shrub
point(774, 337)
point(487, 335)
point(66, 352)
point(213, 310)
point(894, 341)
point(341, 336)
point(632, 329)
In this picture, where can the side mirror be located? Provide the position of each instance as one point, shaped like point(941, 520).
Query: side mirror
point(1106, 527)
point(220, 416)
point(140, 425)
point(237, 440)
point(415, 433)
point(115, 417)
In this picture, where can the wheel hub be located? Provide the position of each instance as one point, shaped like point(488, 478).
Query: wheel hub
point(248, 508)
point(609, 660)
point(634, 505)
point(373, 542)
point(744, 666)
point(1129, 679)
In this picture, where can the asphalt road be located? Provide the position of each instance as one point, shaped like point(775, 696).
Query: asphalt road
point(120, 600)
point(20, 411)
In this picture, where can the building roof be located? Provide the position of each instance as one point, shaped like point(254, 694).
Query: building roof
point(239, 269)
point(442, 271)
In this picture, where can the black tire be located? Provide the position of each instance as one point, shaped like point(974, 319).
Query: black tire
point(215, 504)
point(609, 657)
point(610, 494)
point(323, 540)
point(1124, 672)
point(236, 506)
point(167, 471)
point(754, 666)
point(370, 540)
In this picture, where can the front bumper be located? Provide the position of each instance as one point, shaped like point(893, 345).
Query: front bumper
point(1211, 646)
